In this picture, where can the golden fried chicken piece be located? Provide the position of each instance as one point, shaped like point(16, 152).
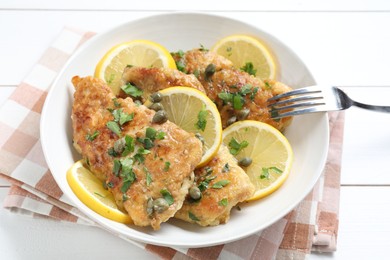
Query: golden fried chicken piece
point(147, 166)
point(238, 95)
point(151, 80)
point(195, 61)
point(224, 184)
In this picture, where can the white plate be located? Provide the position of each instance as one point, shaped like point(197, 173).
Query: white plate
point(308, 134)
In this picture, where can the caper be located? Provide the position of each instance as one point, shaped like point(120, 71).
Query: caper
point(160, 205)
point(245, 162)
point(156, 106)
point(149, 206)
point(160, 117)
point(210, 70)
point(156, 97)
point(243, 114)
point(195, 193)
point(200, 137)
point(119, 145)
point(231, 120)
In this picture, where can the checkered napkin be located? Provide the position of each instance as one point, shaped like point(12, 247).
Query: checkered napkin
point(311, 226)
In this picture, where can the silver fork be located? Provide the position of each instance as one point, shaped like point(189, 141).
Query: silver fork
point(314, 99)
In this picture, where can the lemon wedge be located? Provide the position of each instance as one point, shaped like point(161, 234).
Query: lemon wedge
point(248, 54)
point(142, 53)
point(196, 113)
point(264, 153)
point(91, 192)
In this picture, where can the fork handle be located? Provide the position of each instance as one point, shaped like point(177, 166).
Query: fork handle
point(385, 109)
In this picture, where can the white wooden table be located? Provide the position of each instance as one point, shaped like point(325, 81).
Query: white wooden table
point(343, 43)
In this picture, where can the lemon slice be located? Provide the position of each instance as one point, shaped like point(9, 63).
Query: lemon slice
point(245, 51)
point(269, 150)
point(90, 191)
point(196, 113)
point(142, 53)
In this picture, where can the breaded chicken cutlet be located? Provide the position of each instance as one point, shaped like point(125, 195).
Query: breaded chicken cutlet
point(221, 185)
point(237, 94)
point(147, 166)
point(151, 80)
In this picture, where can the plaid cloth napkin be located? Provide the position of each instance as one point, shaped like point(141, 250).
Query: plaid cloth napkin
point(311, 226)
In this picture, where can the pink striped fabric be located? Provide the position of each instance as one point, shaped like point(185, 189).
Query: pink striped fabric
point(311, 226)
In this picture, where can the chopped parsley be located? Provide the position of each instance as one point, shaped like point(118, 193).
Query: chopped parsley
point(226, 168)
point(220, 184)
point(149, 178)
point(114, 127)
point(229, 51)
point(166, 166)
point(202, 122)
point(248, 68)
point(122, 117)
point(204, 184)
point(265, 172)
point(192, 216)
point(129, 145)
point(117, 167)
point(127, 173)
point(132, 90)
point(139, 156)
point(223, 202)
point(116, 103)
point(91, 137)
point(98, 194)
point(167, 196)
point(111, 78)
point(267, 85)
point(235, 147)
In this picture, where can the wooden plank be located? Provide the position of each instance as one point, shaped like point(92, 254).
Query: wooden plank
point(364, 224)
point(22, 237)
point(202, 5)
point(339, 48)
point(366, 150)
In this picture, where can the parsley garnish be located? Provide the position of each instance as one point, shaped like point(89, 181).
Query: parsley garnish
point(149, 178)
point(129, 145)
point(111, 78)
point(181, 65)
point(248, 68)
point(202, 122)
point(192, 216)
point(122, 117)
point(139, 156)
point(116, 103)
point(220, 184)
point(132, 90)
point(117, 167)
point(166, 166)
point(226, 168)
point(91, 137)
point(203, 185)
point(98, 194)
point(114, 127)
point(265, 172)
point(127, 173)
point(223, 202)
point(167, 196)
point(235, 147)
point(267, 85)
point(237, 99)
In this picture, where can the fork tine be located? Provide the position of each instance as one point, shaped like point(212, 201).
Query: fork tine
point(276, 115)
point(297, 105)
point(296, 92)
point(296, 99)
